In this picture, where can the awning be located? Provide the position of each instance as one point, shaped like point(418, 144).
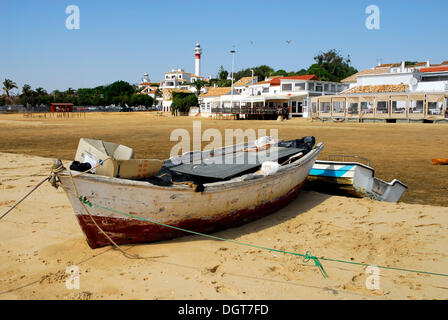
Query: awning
point(262, 98)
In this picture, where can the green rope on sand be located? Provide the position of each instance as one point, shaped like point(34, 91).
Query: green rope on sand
point(306, 257)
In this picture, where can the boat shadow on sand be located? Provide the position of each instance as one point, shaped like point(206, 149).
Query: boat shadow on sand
point(305, 201)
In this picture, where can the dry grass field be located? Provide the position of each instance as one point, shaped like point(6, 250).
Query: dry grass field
point(403, 151)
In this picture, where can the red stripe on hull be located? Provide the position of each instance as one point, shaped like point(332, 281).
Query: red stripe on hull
point(125, 231)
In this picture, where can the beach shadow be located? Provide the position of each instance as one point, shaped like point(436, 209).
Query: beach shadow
point(305, 201)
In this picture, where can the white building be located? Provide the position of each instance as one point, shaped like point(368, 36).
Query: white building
point(420, 77)
point(390, 92)
point(242, 85)
point(206, 99)
point(270, 97)
point(147, 87)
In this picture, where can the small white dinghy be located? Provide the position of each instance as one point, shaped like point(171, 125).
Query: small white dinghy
point(353, 178)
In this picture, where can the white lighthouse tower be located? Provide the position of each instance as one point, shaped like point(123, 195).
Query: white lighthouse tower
point(197, 59)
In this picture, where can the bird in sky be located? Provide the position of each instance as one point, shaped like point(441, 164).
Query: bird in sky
point(288, 41)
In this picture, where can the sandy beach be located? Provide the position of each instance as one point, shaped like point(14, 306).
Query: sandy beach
point(41, 238)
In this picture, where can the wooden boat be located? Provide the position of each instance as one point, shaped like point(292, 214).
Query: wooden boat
point(230, 194)
point(353, 178)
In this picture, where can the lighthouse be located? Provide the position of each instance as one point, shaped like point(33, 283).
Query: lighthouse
point(197, 59)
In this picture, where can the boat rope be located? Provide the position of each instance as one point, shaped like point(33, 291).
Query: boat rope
point(55, 169)
point(306, 257)
point(24, 197)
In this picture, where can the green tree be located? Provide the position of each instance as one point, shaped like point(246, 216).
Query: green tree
point(41, 91)
point(198, 85)
point(333, 67)
point(26, 98)
point(182, 102)
point(222, 74)
point(262, 72)
point(26, 90)
point(320, 72)
point(410, 63)
point(8, 85)
point(280, 72)
point(141, 100)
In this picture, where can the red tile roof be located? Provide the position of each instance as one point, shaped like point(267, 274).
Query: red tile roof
point(434, 69)
point(305, 77)
point(276, 81)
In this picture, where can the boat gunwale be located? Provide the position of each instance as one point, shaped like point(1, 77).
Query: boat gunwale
point(209, 187)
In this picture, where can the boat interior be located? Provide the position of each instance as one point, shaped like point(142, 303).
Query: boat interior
point(263, 156)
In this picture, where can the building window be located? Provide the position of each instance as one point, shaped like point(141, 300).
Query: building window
point(326, 87)
point(300, 85)
point(287, 87)
point(382, 107)
point(314, 107)
point(325, 107)
point(416, 106)
point(265, 90)
point(353, 108)
point(367, 107)
point(338, 106)
point(311, 86)
point(435, 108)
point(399, 106)
point(435, 78)
point(319, 87)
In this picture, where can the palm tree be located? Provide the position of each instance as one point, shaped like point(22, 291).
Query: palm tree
point(8, 85)
point(26, 98)
point(41, 92)
point(26, 90)
point(198, 84)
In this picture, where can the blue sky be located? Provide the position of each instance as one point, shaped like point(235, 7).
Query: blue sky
point(121, 40)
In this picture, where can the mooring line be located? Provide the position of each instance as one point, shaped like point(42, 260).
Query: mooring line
point(24, 197)
point(306, 257)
